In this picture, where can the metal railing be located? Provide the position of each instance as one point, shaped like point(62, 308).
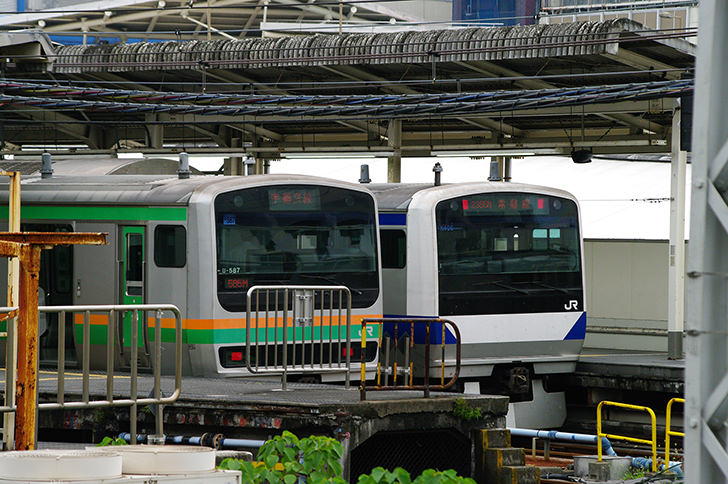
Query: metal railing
point(112, 340)
point(668, 430)
point(408, 361)
point(301, 329)
point(601, 434)
point(9, 315)
point(654, 14)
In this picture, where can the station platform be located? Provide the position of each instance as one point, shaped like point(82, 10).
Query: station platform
point(639, 378)
point(391, 426)
point(630, 370)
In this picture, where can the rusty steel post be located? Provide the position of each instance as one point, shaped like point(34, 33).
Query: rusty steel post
point(27, 246)
point(25, 388)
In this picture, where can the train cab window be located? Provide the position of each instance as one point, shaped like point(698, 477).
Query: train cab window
point(394, 248)
point(507, 253)
point(170, 246)
point(295, 235)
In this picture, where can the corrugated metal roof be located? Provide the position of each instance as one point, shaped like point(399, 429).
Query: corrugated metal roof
point(453, 45)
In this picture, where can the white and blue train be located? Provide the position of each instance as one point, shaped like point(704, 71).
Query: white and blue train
point(503, 261)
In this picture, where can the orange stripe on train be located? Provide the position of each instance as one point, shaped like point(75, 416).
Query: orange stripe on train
point(235, 323)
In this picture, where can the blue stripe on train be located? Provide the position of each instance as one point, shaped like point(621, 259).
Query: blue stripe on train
point(420, 330)
point(392, 219)
point(578, 331)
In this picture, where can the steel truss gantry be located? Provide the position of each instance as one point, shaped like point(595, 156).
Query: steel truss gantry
point(706, 378)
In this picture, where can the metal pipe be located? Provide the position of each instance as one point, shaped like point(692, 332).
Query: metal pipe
point(565, 436)
point(438, 171)
point(186, 440)
point(46, 170)
point(364, 174)
point(184, 166)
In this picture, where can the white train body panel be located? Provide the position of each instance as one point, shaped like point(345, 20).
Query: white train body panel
point(546, 336)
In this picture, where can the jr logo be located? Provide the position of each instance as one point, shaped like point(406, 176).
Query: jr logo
point(370, 331)
point(572, 305)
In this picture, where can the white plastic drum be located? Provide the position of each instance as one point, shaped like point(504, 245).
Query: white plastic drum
point(59, 465)
point(165, 459)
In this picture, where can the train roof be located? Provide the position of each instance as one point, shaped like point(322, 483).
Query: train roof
point(397, 196)
point(76, 165)
point(143, 189)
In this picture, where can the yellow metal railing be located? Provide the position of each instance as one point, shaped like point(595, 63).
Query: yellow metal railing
point(409, 364)
point(669, 431)
point(601, 434)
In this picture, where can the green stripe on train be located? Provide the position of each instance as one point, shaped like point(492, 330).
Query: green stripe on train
point(227, 336)
point(66, 212)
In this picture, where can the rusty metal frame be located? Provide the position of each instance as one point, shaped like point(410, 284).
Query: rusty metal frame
point(27, 246)
point(426, 387)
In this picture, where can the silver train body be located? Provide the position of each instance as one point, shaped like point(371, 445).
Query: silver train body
point(503, 261)
point(199, 243)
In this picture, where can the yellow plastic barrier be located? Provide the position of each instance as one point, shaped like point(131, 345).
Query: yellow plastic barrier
point(668, 431)
point(601, 434)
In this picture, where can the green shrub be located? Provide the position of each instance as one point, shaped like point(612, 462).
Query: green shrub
point(111, 441)
point(464, 411)
point(380, 475)
point(287, 459)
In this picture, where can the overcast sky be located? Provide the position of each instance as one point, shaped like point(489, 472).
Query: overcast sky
point(619, 199)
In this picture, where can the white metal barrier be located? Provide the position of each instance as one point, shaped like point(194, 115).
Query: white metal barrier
point(301, 329)
point(112, 344)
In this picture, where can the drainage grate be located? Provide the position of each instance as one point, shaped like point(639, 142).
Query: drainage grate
point(414, 451)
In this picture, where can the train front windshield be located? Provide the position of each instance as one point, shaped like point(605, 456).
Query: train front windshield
point(295, 235)
point(505, 253)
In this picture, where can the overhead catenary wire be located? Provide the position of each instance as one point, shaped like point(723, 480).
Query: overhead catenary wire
point(323, 84)
point(523, 96)
point(473, 104)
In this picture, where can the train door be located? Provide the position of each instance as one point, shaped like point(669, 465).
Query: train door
point(132, 281)
point(394, 272)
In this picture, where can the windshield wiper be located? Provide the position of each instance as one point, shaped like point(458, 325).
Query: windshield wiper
point(507, 286)
point(553, 288)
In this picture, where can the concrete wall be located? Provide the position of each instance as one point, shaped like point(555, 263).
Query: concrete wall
point(626, 284)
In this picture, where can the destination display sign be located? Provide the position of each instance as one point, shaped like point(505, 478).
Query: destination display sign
point(504, 204)
point(294, 200)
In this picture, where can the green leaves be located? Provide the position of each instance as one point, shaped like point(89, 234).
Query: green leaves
point(380, 475)
point(286, 459)
point(111, 441)
point(464, 411)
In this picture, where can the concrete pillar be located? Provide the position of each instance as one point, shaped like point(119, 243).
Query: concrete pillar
point(260, 166)
point(676, 271)
point(155, 133)
point(394, 164)
point(233, 166)
point(497, 168)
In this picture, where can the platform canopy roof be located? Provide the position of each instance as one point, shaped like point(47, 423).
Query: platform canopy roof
point(608, 86)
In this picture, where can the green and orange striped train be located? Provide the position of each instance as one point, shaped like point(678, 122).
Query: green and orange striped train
point(200, 243)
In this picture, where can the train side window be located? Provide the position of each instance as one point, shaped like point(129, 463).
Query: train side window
point(170, 246)
point(394, 248)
